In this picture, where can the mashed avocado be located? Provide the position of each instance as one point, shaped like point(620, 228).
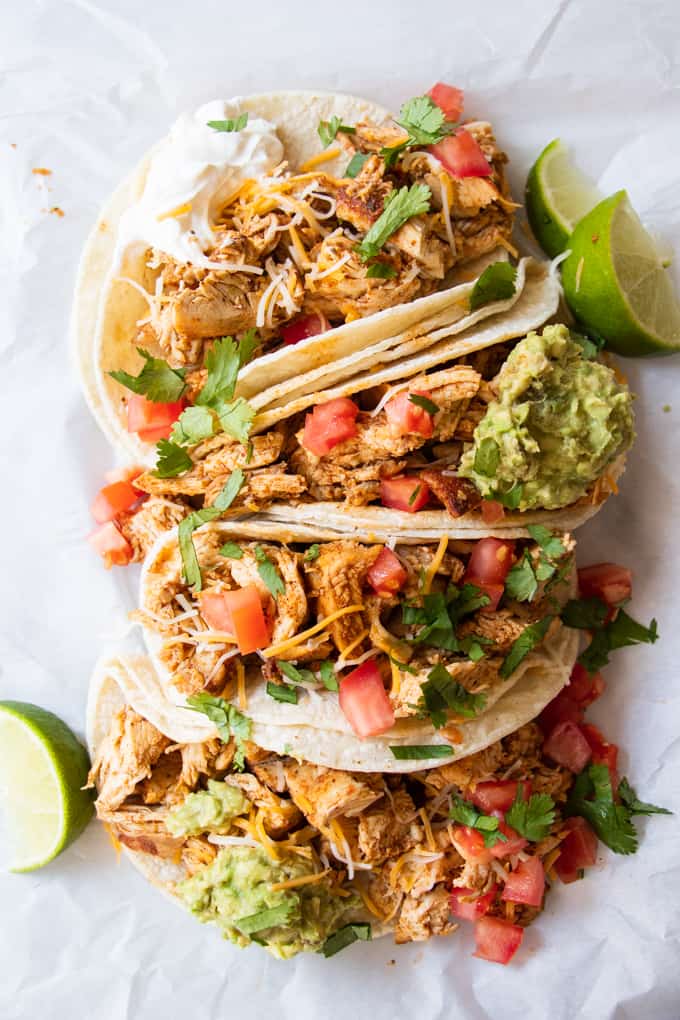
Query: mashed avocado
point(559, 420)
point(211, 810)
point(238, 885)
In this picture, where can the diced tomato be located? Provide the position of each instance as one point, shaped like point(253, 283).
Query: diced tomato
point(405, 492)
point(301, 329)
point(567, 746)
point(461, 156)
point(492, 511)
point(494, 591)
point(561, 709)
point(607, 581)
point(512, 845)
point(330, 424)
point(240, 613)
point(469, 843)
point(583, 688)
point(603, 752)
point(112, 500)
point(111, 545)
point(387, 576)
point(124, 474)
point(151, 421)
point(364, 700)
point(497, 940)
point(470, 909)
point(490, 561)
point(498, 795)
point(408, 418)
point(448, 98)
point(526, 884)
point(578, 850)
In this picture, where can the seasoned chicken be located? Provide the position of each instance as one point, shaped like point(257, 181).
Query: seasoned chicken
point(424, 916)
point(361, 201)
point(289, 610)
point(197, 853)
point(126, 757)
point(357, 485)
point(499, 627)
point(165, 784)
point(280, 816)
point(372, 137)
point(209, 758)
point(390, 829)
point(417, 560)
point(142, 527)
point(141, 828)
point(324, 794)
point(458, 495)
point(262, 487)
point(417, 239)
point(338, 576)
point(473, 676)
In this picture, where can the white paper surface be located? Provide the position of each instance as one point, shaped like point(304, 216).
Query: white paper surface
point(85, 88)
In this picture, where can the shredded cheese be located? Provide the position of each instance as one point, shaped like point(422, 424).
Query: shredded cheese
point(435, 564)
point(331, 269)
point(284, 646)
point(294, 883)
point(241, 686)
point(396, 678)
point(371, 905)
point(346, 652)
point(302, 259)
point(428, 830)
point(321, 157)
point(179, 210)
point(446, 191)
point(504, 243)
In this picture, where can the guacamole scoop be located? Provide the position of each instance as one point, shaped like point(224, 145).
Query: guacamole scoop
point(235, 892)
point(558, 421)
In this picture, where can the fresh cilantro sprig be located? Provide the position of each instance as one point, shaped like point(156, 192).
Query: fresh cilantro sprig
point(283, 692)
point(193, 425)
point(400, 206)
point(190, 565)
point(530, 637)
point(425, 124)
point(607, 634)
point(487, 457)
point(156, 381)
point(171, 460)
point(441, 694)
point(231, 124)
point(592, 797)
point(299, 676)
point(523, 578)
point(344, 937)
point(269, 572)
point(328, 677)
point(441, 612)
point(355, 165)
point(531, 818)
point(312, 553)
point(465, 813)
point(228, 720)
point(380, 271)
point(272, 917)
point(630, 798)
point(327, 130)
point(496, 283)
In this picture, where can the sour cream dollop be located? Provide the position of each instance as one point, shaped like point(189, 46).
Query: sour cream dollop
point(198, 168)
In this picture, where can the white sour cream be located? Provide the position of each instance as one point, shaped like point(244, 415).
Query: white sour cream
point(197, 167)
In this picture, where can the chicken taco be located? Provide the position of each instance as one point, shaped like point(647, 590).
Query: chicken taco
point(354, 653)
point(303, 226)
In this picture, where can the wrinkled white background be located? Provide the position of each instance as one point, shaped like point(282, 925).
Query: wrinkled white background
point(85, 88)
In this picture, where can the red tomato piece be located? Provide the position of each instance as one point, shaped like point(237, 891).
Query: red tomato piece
point(470, 844)
point(603, 752)
point(526, 884)
point(467, 908)
point(490, 561)
point(240, 613)
point(561, 709)
point(112, 500)
point(494, 591)
point(498, 795)
point(607, 581)
point(329, 424)
point(583, 688)
point(513, 844)
point(111, 545)
point(448, 98)
point(301, 329)
point(461, 156)
point(124, 474)
point(408, 418)
point(578, 850)
point(404, 492)
point(492, 511)
point(364, 700)
point(151, 421)
point(497, 940)
point(387, 576)
point(567, 746)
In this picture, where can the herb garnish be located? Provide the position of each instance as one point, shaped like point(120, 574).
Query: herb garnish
point(231, 124)
point(269, 573)
point(156, 381)
point(523, 578)
point(171, 460)
point(526, 642)
point(380, 271)
point(282, 692)
point(497, 283)
point(193, 425)
point(328, 129)
point(420, 401)
point(400, 205)
point(592, 798)
point(441, 694)
point(328, 677)
point(425, 124)
point(344, 937)
point(531, 818)
point(355, 164)
point(232, 551)
point(300, 676)
point(420, 752)
point(228, 720)
point(441, 612)
point(270, 918)
point(487, 457)
point(312, 553)
point(608, 635)
point(465, 813)
point(190, 564)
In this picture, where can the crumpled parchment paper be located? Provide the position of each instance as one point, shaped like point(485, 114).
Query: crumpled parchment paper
point(85, 88)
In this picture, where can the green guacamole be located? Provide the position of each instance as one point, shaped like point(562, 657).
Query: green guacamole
point(559, 420)
point(237, 886)
point(211, 810)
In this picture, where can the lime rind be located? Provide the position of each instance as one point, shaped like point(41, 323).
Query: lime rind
point(558, 195)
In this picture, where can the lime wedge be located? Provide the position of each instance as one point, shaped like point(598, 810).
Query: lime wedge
point(43, 768)
point(616, 283)
point(558, 195)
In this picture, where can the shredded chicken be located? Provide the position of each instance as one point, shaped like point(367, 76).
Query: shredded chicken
point(422, 917)
point(143, 526)
point(324, 793)
point(338, 576)
point(390, 829)
point(127, 756)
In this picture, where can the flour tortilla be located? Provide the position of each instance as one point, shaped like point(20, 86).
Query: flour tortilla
point(106, 310)
point(315, 727)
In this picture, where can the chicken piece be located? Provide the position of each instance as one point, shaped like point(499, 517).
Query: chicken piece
point(500, 627)
point(458, 495)
point(279, 816)
point(338, 575)
point(416, 238)
point(356, 486)
point(417, 560)
point(209, 758)
point(126, 757)
point(262, 488)
point(361, 201)
point(368, 137)
point(143, 526)
point(164, 785)
point(324, 794)
point(272, 774)
point(288, 612)
point(422, 917)
point(195, 670)
point(390, 829)
point(141, 829)
point(386, 897)
point(198, 853)
point(475, 677)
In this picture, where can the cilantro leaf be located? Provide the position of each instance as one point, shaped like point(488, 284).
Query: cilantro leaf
point(328, 129)
point(301, 676)
point(355, 165)
point(282, 692)
point(532, 818)
point(400, 205)
point(550, 544)
point(425, 121)
point(440, 694)
point(193, 425)
point(584, 614)
point(232, 550)
point(465, 813)
point(487, 457)
point(528, 639)
point(171, 460)
point(344, 937)
point(328, 677)
point(380, 271)
point(272, 917)
point(420, 752)
point(231, 124)
point(638, 807)
point(190, 565)
point(223, 361)
point(269, 572)
point(228, 720)
point(156, 381)
point(510, 499)
point(521, 582)
point(236, 419)
point(312, 553)
point(621, 632)
point(497, 283)
point(440, 612)
point(420, 401)
point(592, 798)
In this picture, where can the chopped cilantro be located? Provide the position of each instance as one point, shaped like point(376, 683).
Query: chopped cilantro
point(549, 543)
point(531, 818)
point(380, 271)
point(592, 798)
point(638, 807)
point(171, 460)
point(228, 720)
point(497, 283)
point(231, 124)
point(301, 676)
point(400, 206)
point(585, 614)
point(344, 937)
point(236, 419)
point(269, 572)
point(420, 752)
point(283, 692)
point(414, 495)
point(510, 499)
point(521, 583)
point(328, 677)
point(312, 553)
point(232, 550)
point(328, 129)
point(355, 164)
point(465, 813)
point(441, 612)
point(528, 639)
point(420, 401)
point(487, 457)
point(273, 917)
point(425, 124)
point(608, 635)
point(193, 425)
point(190, 564)
point(156, 381)
point(440, 693)
point(223, 361)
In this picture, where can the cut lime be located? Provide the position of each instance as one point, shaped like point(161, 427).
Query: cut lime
point(616, 283)
point(43, 768)
point(558, 195)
